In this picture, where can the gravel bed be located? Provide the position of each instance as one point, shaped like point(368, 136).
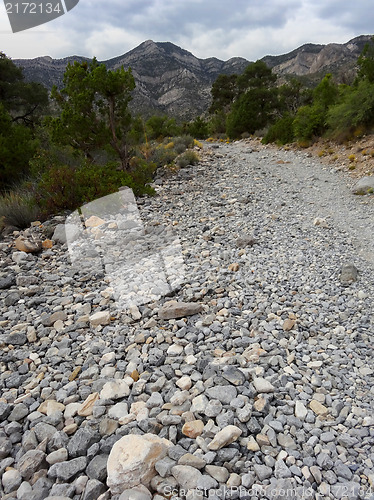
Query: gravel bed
point(262, 387)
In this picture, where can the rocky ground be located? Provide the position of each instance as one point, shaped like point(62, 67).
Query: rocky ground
point(259, 385)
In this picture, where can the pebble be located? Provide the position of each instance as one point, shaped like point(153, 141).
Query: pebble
point(249, 356)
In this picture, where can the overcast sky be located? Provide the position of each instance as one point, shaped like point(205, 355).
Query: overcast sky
point(207, 28)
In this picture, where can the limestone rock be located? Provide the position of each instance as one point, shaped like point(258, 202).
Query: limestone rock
point(100, 318)
point(115, 389)
point(174, 309)
point(226, 436)
point(132, 461)
point(318, 408)
point(262, 385)
point(94, 221)
point(193, 429)
point(87, 407)
point(28, 245)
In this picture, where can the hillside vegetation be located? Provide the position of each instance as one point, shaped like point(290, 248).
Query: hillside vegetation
point(82, 142)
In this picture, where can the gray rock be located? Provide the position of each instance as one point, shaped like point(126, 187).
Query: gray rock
point(67, 470)
point(97, 468)
point(18, 413)
point(262, 471)
point(222, 393)
point(5, 447)
point(81, 441)
point(7, 281)
point(30, 462)
point(93, 490)
point(174, 309)
point(63, 232)
point(365, 185)
point(348, 274)
point(233, 375)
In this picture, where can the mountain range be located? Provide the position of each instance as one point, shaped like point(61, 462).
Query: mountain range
point(173, 81)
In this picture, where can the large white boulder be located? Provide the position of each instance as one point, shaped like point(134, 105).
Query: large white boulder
point(132, 461)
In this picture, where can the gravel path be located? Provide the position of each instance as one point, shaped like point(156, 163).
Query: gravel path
point(263, 388)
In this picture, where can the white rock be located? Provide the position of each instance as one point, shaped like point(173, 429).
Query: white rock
point(132, 459)
point(300, 410)
point(100, 318)
point(184, 383)
point(262, 385)
point(226, 436)
point(115, 389)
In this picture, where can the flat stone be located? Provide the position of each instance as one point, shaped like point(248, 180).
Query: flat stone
point(220, 474)
point(262, 385)
point(100, 318)
point(174, 309)
point(115, 389)
point(318, 408)
point(187, 477)
point(86, 408)
point(30, 462)
point(66, 471)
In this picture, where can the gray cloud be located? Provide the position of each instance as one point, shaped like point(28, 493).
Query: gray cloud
point(224, 29)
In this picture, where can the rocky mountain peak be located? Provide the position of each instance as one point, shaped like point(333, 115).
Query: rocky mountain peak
point(171, 80)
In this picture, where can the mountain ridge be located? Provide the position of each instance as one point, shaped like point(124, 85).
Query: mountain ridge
point(171, 80)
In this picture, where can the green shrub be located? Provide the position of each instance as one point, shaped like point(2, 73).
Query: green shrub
point(17, 147)
point(354, 111)
point(18, 208)
point(186, 140)
point(64, 187)
point(162, 156)
point(281, 131)
point(187, 158)
point(310, 121)
point(199, 128)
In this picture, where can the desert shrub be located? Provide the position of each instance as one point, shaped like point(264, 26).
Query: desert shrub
point(17, 147)
point(158, 127)
point(199, 128)
point(179, 148)
point(187, 158)
point(18, 208)
point(354, 112)
point(310, 121)
point(63, 187)
point(186, 140)
point(281, 131)
point(162, 156)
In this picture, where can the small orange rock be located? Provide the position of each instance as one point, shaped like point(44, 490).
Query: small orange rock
point(135, 375)
point(46, 244)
